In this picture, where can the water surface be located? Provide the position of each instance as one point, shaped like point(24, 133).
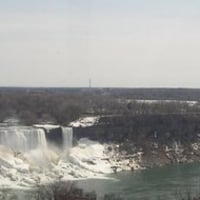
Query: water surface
point(169, 182)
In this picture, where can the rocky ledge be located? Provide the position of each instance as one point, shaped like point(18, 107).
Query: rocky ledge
point(155, 155)
point(144, 141)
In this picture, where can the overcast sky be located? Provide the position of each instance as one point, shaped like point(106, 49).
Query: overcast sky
point(116, 43)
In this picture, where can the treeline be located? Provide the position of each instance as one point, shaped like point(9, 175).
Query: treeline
point(185, 94)
point(35, 107)
point(31, 106)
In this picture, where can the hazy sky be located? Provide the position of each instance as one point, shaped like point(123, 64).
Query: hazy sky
point(116, 43)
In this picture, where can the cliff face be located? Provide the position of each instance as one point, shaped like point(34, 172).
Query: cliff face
point(163, 129)
point(161, 139)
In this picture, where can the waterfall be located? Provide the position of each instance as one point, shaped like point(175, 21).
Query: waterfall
point(67, 134)
point(22, 138)
point(41, 137)
point(26, 138)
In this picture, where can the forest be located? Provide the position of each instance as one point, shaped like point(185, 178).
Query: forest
point(63, 105)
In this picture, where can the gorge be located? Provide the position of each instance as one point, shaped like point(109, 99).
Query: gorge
point(95, 146)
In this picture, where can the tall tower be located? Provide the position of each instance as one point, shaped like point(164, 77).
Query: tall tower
point(90, 83)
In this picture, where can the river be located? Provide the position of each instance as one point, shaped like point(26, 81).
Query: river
point(169, 182)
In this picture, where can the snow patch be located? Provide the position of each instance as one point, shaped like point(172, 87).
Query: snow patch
point(85, 122)
point(46, 126)
point(86, 160)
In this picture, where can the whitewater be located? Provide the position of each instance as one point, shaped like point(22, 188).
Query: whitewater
point(27, 158)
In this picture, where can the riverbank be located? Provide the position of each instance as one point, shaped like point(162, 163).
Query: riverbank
point(155, 155)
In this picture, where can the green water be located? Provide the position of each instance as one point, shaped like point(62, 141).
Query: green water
point(169, 182)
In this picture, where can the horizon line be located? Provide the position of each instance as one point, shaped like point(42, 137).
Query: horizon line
point(95, 87)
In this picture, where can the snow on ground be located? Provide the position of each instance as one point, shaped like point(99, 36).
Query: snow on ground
point(84, 122)
point(86, 160)
point(46, 126)
point(190, 103)
point(89, 155)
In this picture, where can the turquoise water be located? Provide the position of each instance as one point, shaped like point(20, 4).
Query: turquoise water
point(169, 182)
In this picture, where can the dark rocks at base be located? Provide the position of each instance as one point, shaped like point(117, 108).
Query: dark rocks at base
point(54, 136)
